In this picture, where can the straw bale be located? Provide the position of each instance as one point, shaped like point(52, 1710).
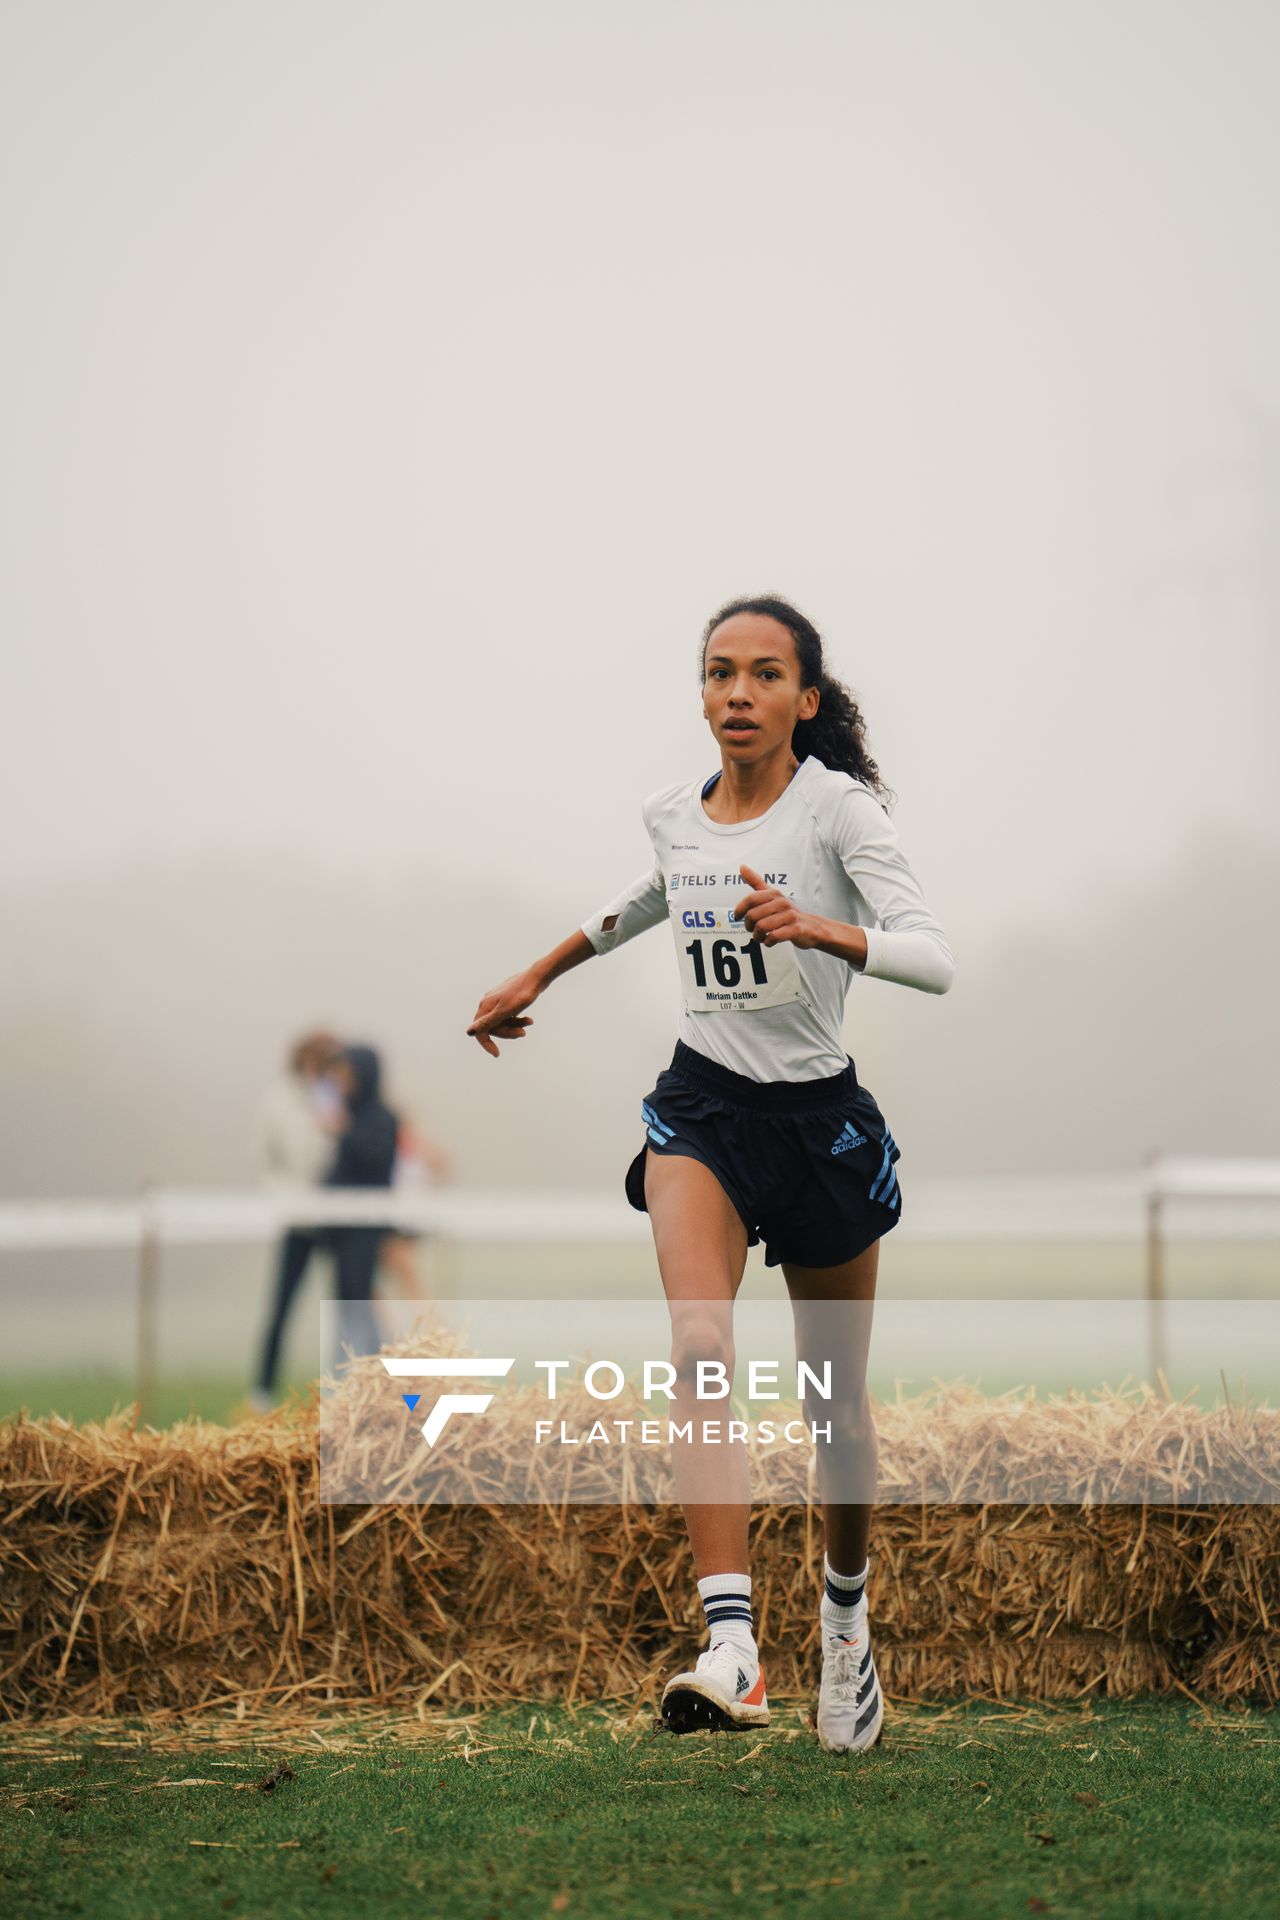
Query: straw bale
point(177, 1570)
point(1065, 1666)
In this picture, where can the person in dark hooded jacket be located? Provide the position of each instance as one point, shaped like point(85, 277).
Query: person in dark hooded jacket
point(365, 1156)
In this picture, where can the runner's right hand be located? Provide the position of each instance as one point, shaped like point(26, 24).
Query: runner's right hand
point(498, 1017)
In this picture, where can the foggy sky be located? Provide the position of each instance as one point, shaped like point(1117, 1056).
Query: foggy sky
point(391, 393)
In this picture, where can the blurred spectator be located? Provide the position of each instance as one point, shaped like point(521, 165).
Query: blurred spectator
point(326, 1123)
point(366, 1157)
point(298, 1115)
point(298, 1121)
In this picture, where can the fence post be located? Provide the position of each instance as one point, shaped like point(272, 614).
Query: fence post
point(1155, 1270)
point(148, 1305)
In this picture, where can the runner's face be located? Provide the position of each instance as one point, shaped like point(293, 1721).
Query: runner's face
point(751, 692)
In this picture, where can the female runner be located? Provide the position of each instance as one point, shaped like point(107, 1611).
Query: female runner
point(759, 1129)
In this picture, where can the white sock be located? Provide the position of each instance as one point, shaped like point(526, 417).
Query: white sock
point(726, 1601)
point(844, 1598)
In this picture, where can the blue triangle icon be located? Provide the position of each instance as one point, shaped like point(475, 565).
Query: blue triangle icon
point(411, 1400)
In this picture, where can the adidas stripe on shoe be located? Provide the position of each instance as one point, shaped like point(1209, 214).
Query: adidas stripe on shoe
point(724, 1690)
point(850, 1703)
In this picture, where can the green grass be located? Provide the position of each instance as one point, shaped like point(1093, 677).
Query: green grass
point(220, 1396)
point(1134, 1810)
point(92, 1395)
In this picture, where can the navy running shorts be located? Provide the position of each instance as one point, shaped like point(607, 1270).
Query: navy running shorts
point(808, 1164)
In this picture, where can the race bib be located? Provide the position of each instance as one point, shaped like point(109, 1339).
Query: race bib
point(722, 969)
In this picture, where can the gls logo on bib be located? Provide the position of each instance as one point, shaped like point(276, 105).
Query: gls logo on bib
point(722, 969)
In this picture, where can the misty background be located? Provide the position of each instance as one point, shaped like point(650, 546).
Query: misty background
point(391, 394)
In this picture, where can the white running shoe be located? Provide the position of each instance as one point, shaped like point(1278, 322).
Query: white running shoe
point(725, 1690)
point(850, 1703)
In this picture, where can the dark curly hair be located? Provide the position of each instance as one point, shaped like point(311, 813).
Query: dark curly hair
point(837, 733)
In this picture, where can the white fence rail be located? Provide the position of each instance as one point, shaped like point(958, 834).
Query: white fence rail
point(1108, 1207)
point(1115, 1208)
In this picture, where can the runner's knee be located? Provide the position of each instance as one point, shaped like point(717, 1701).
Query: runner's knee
point(701, 1338)
point(848, 1415)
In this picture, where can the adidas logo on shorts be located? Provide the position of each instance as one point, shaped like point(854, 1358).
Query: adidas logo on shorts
point(848, 1139)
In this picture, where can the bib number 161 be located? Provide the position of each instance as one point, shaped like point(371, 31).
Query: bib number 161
point(721, 974)
point(725, 965)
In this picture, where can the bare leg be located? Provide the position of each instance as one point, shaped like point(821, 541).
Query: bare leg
point(847, 1465)
point(702, 1251)
point(399, 1257)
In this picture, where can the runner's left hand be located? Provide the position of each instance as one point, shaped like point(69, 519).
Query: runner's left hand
point(770, 917)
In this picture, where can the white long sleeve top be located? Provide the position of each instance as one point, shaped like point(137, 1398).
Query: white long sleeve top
point(777, 1013)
